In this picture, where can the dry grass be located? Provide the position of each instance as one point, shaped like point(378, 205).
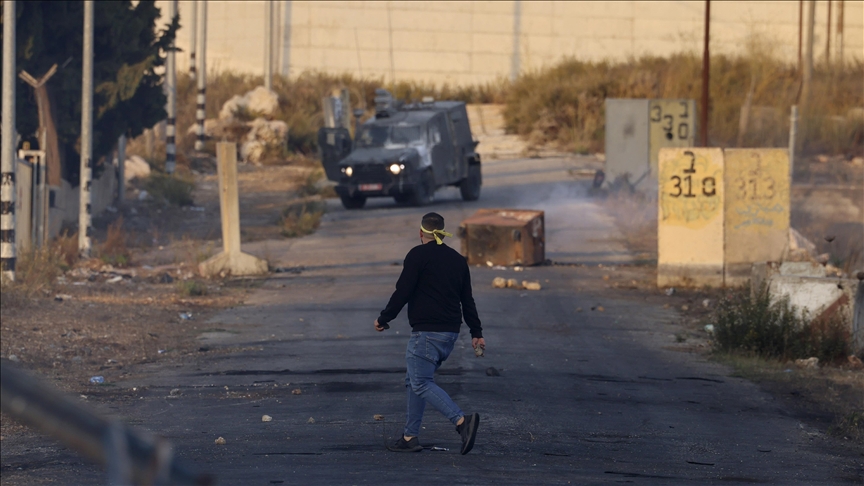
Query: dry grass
point(36, 271)
point(564, 104)
point(173, 189)
point(114, 250)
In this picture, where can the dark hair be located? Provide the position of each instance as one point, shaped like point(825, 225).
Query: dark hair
point(433, 221)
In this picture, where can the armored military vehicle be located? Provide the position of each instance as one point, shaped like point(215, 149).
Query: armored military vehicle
point(407, 152)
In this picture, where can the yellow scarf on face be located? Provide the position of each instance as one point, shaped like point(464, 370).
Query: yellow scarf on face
point(438, 233)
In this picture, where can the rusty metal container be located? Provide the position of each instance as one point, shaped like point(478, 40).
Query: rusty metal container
point(504, 237)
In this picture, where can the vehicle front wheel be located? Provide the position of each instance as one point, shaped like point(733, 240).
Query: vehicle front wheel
point(424, 189)
point(353, 202)
point(470, 186)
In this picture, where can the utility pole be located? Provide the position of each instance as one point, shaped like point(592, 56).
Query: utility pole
point(800, 31)
point(193, 25)
point(828, 35)
point(807, 73)
point(706, 78)
point(84, 216)
point(840, 9)
point(7, 141)
point(200, 111)
point(517, 34)
point(268, 45)
point(171, 108)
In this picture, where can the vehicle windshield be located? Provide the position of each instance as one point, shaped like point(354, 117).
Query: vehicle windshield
point(392, 136)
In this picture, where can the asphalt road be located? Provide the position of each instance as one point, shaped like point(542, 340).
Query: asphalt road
point(583, 397)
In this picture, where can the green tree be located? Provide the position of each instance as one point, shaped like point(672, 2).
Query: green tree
point(128, 52)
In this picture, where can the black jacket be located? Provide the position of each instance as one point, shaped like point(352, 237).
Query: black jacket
point(436, 285)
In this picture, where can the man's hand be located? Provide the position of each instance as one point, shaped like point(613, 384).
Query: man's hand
point(475, 342)
point(379, 327)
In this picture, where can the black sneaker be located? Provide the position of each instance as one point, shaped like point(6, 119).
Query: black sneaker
point(403, 445)
point(468, 431)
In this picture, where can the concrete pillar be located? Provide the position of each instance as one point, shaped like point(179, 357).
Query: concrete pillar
point(171, 105)
point(231, 261)
point(84, 217)
point(7, 142)
point(756, 209)
point(672, 123)
point(690, 217)
point(200, 111)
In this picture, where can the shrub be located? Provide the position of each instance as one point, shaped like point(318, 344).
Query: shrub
point(756, 324)
point(191, 288)
point(172, 189)
point(301, 219)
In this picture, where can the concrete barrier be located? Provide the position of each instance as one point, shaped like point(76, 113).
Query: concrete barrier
point(636, 130)
point(756, 210)
point(690, 220)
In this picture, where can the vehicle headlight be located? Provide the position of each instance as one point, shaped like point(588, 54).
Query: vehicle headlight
point(396, 169)
point(348, 171)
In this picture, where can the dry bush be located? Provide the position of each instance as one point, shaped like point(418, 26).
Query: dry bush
point(756, 324)
point(113, 250)
point(36, 270)
point(564, 104)
point(301, 219)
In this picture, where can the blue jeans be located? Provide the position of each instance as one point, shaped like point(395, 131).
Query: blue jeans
point(426, 351)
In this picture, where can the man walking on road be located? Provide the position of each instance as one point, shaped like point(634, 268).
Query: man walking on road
point(436, 285)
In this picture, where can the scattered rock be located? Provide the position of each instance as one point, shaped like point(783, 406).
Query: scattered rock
point(605, 277)
point(490, 371)
point(598, 308)
point(221, 441)
point(517, 269)
point(512, 283)
point(706, 303)
point(578, 309)
point(62, 297)
point(143, 195)
point(114, 280)
point(823, 258)
point(685, 307)
point(97, 380)
point(531, 285)
point(378, 417)
point(266, 418)
point(670, 291)
point(855, 362)
point(175, 392)
point(709, 328)
point(296, 391)
point(499, 282)
point(13, 357)
point(809, 363)
point(165, 278)
point(310, 421)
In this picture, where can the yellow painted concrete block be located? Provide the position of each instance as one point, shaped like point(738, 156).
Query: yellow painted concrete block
point(672, 123)
point(690, 217)
point(757, 209)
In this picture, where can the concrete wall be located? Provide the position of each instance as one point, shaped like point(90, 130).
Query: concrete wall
point(473, 41)
point(67, 200)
